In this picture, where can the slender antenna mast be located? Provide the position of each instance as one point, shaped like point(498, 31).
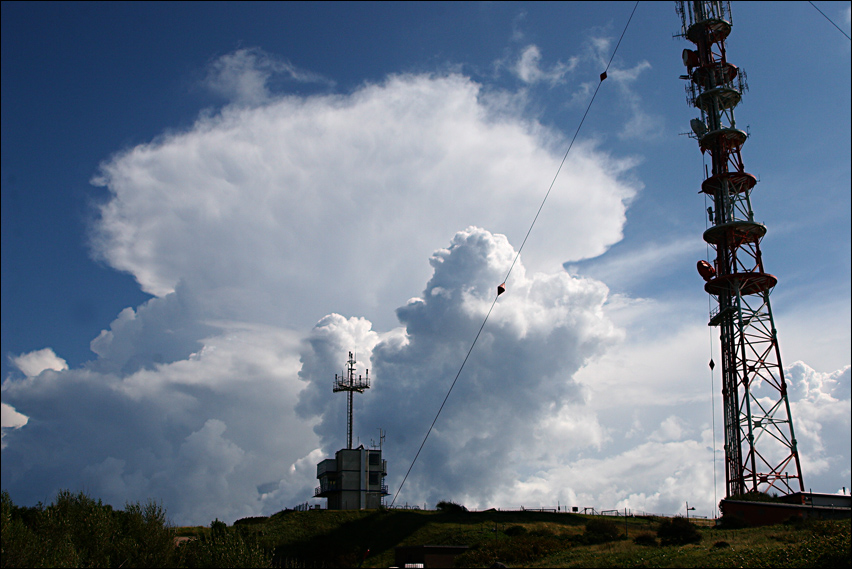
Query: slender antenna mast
point(349, 383)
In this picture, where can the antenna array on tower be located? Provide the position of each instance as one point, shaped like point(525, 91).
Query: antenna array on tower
point(349, 383)
point(760, 447)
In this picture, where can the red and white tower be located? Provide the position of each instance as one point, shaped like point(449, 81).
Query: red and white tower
point(760, 446)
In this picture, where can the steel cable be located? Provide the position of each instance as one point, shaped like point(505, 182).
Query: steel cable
point(485, 320)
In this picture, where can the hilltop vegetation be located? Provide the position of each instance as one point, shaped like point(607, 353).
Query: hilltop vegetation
point(78, 531)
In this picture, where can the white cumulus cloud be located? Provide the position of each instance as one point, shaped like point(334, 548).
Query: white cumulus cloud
point(33, 363)
point(202, 433)
point(304, 206)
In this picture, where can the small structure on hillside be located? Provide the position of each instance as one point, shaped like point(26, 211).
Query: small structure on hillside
point(355, 478)
point(796, 506)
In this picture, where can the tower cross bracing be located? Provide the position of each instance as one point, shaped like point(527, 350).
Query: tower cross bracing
point(760, 446)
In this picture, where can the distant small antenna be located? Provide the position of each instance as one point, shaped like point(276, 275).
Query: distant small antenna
point(349, 383)
point(381, 440)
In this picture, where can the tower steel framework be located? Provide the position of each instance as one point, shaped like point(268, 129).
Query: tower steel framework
point(349, 383)
point(760, 445)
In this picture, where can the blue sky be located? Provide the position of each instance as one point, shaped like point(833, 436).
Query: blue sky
point(238, 174)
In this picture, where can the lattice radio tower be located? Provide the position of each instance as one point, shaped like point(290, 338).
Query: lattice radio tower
point(760, 446)
point(350, 384)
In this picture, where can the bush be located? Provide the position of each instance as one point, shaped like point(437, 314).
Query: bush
point(146, 538)
point(646, 538)
point(21, 547)
point(450, 507)
point(251, 521)
point(600, 530)
point(755, 496)
point(224, 548)
point(732, 522)
point(76, 530)
point(515, 530)
point(678, 531)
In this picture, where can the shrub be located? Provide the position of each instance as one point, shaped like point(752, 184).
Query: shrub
point(755, 496)
point(76, 530)
point(678, 531)
point(20, 546)
point(732, 522)
point(251, 521)
point(224, 548)
point(218, 527)
point(450, 507)
point(721, 545)
point(147, 539)
point(646, 538)
point(515, 530)
point(599, 530)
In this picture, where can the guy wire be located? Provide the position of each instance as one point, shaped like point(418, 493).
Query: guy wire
point(458, 374)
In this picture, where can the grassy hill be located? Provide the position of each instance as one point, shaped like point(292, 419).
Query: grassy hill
point(536, 539)
point(78, 531)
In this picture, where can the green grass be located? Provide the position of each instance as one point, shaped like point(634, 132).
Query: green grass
point(328, 538)
point(80, 531)
point(337, 538)
point(816, 544)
